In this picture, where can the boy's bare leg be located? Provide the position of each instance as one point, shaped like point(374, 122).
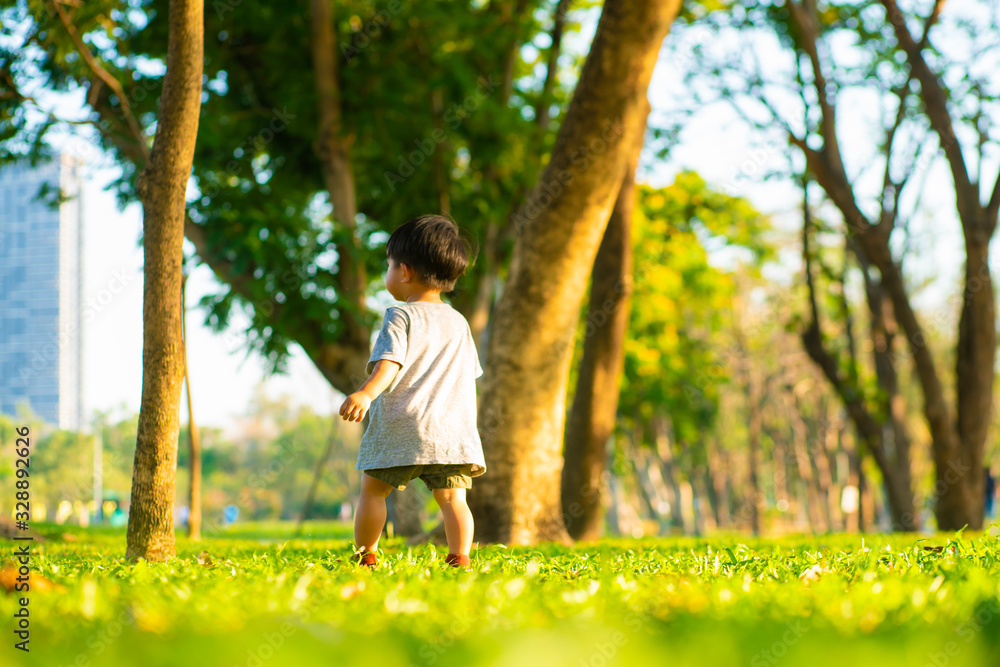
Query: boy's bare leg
point(458, 524)
point(370, 517)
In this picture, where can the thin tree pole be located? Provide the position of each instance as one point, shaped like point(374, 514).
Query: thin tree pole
point(194, 439)
point(317, 475)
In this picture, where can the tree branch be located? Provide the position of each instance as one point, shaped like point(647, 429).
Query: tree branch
point(812, 339)
point(104, 76)
point(936, 105)
point(806, 21)
point(552, 65)
point(993, 207)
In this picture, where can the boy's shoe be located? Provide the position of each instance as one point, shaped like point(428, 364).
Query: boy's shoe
point(458, 560)
point(366, 559)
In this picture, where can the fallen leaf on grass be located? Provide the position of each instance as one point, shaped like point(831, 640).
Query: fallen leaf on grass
point(813, 573)
point(205, 558)
point(36, 582)
point(352, 590)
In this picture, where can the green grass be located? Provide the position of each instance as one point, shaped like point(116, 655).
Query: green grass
point(270, 599)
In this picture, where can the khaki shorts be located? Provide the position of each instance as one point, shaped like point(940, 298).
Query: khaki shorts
point(435, 475)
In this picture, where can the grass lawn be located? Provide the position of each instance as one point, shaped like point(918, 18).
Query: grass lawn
point(264, 597)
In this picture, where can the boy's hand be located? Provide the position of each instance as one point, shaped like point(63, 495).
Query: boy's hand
point(355, 406)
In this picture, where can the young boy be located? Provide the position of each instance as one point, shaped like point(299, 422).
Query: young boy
point(421, 390)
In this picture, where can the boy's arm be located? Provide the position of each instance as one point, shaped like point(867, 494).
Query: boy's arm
point(356, 405)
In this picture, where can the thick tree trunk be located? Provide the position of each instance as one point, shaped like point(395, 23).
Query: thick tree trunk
point(960, 480)
point(595, 402)
point(161, 186)
point(194, 439)
point(344, 364)
point(522, 406)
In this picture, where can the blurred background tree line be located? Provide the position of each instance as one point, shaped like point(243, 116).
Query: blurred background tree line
point(775, 375)
point(264, 469)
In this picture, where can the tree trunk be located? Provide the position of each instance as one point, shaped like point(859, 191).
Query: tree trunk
point(406, 511)
point(664, 451)
point(522, 406)
point(827, 446)
point(194, 439)
point(779, 466)
point(307, 505)
point(595, 402)
point(958, 431)
point(959, 461)
point(961, 473)
point(332, 147)
point(721, 481)
point(866, 506)
point(161, 186)
point(895, 438)
point(852, 519)
point(800, 437)
point(895, 468)
point(706, 477)
point(704, 518)
point(755, 426)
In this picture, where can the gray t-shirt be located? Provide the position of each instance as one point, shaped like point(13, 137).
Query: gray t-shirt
point(428, 413)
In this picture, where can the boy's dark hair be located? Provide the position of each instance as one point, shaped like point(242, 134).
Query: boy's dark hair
point(431, 246)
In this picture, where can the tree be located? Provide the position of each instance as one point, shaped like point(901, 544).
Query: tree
point(595, 402)
point(559, 228)
point(667, 347)
point(867, 412)
point(914, 109)
point(293, 234)
point(194, 438)
point(675, 359)
point(161, 187)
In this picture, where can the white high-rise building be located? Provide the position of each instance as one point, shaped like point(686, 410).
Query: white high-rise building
point(41, 288)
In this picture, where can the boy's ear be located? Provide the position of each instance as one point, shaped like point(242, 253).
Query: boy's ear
point(407, 270)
